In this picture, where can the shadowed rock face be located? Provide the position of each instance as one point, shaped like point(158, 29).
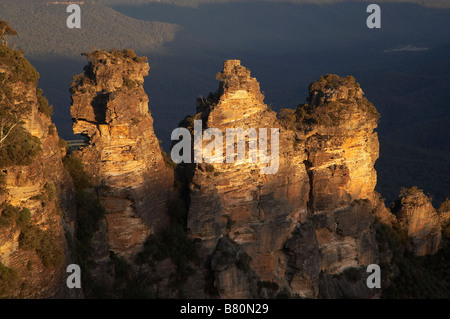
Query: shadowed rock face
point(314, 214)
point(110, 108)
point(421, 221)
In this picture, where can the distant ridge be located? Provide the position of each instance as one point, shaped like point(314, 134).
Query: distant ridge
point(195, 3)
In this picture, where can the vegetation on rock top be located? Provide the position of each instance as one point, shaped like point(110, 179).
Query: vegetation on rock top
point(32, 237)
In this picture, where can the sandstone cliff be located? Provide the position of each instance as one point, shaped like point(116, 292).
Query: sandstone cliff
point(123, 155)
point(342, 148)
point(314, 216)
point(37, 197)
point(444, 213)
point(250, 210)
point(421, 221)
point(297, 216)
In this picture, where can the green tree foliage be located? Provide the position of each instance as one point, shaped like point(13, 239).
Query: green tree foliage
point(8, 280)
point(422, 277)
point(393, 238)
point(75, 168)
point(172, 243)
point(89, 214)
point(5, 30)
point(62, 144)
point(17, 146)
point(20, 68)
point(411, 276)
point(11, 215)
point(32, 237)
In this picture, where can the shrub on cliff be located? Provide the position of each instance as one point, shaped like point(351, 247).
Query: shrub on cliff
point(172, 243)
point(8, 216)
point(11, 215)
point(393, 238)
point(421, 277)
point(31, 237)
point(89, 214)
point(352, 274)
point(44, 107)
point(2, 183)
point(130, 83)
point(8, 281)
point(117, 53)
point(75, 168)
point(20, 68)
point(168, 161)
point(19, 148)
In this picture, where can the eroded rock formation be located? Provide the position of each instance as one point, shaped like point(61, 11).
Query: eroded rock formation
point(252, 210)
point(341, 148)
point(37, 198)
point(308, 228)
point(423, 225)
point(110, 108)
point(314, 215)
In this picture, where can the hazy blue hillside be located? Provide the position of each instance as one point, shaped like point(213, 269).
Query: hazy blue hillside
point(55, 50)
point(42, 29)
point(196, 3)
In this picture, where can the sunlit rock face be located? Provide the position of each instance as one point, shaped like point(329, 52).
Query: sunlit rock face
point(37, 198)
point(110, 108)
point(423, 225)
point(254, 211)
point(313, 215)
point(342, 146)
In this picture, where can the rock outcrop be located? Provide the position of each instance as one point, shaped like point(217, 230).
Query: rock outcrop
point(254, 211)
point(37, 199)
point(273, 205)
point(341, 144)
point(444, 213)
point(314, 215)
point(417, 215)
point(123, 155)
point(341, 148)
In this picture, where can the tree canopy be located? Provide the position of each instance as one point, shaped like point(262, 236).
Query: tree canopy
point(5, 30)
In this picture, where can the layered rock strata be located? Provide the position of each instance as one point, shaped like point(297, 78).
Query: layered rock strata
point(37, 199)
point(314, 215)
point(421, 221)
point(342, 148)
point(123, 155)
point(253, 211)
